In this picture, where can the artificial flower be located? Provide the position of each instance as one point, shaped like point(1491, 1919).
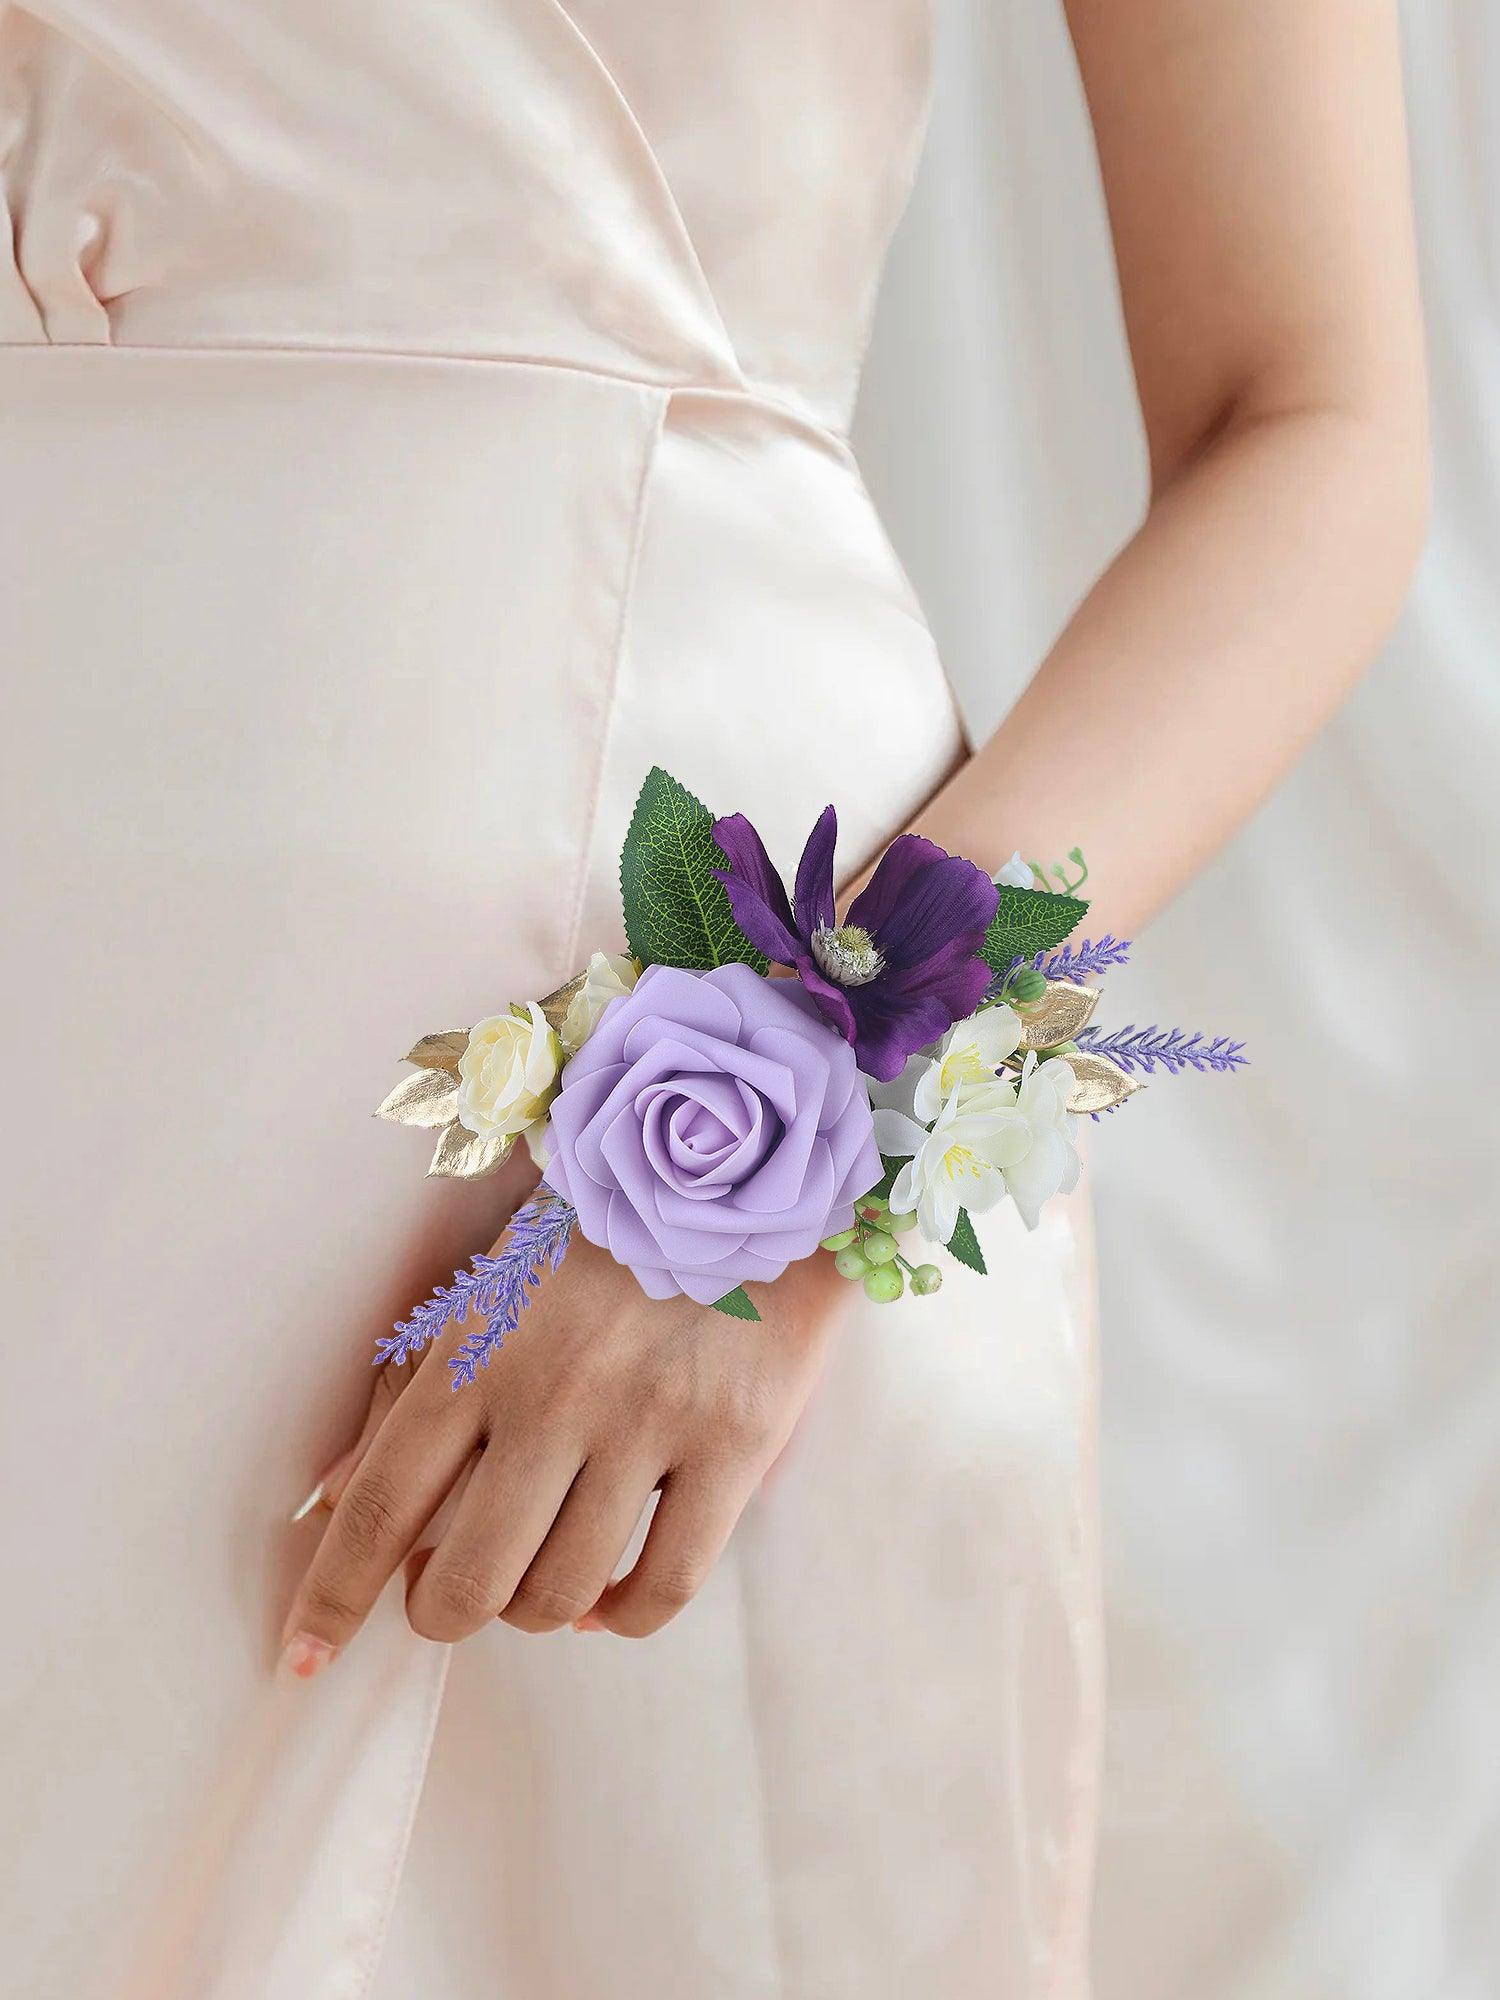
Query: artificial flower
point(1050, 1162)
point(711, 1131)
point(1016, 874)
point(968, 1058)
point(901, 968)
point(508, 1076)
point(707, 1128)
point(610, 975)
point(956, 1163)
point(988, 1138)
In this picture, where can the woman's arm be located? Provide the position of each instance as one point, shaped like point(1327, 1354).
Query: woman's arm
point(1254, 163)
point(1253, 155)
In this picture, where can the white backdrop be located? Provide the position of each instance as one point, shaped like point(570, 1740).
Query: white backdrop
point(1301, 1301)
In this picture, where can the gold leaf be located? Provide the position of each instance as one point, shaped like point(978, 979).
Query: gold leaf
point(462, 1156)
point(429, 1098)
point(440, 1051)
point(555, 1006)
point(1099, 1083)
point(1061, 1015)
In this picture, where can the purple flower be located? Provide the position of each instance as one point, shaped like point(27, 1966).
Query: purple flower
point(903, 965)
point(711, 1131)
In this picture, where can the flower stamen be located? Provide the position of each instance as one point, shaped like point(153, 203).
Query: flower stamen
point(847, 955)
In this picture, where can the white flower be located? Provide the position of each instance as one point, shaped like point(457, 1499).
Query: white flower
point(957, 1164)
point(967, 1058)
point(987, 1140)
point(1050, 1163)
point(507, 1076)
point(971, 1052)
point(1015, 874)
point(610, 976)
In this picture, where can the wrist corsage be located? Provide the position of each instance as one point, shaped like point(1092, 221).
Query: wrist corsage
point(759, 1080)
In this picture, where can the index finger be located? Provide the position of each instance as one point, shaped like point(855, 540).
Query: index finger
point(399, 1485)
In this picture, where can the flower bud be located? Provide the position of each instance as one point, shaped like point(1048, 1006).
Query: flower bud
point(926, 1280)
point(899, 1224)
point(840, 1242)
point(852, 1262)
point(881, 1249)
point(1026, 986)
point(884, 1285)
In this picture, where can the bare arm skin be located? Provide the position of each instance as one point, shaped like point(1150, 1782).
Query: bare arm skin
point(1255, 167)
point(1254, 161)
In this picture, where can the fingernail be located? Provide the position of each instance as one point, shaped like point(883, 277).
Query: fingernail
point(314, 1499)
point(589, 1622)
point(304, 1656)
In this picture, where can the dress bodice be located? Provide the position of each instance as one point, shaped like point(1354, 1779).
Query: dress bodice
point(682, 191)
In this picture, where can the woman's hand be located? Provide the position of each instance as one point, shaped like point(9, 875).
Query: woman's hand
point(598, 1398)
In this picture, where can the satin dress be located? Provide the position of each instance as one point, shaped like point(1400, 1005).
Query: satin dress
point(415, 423)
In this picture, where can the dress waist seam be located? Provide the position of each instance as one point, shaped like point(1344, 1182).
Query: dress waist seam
point(794, 413)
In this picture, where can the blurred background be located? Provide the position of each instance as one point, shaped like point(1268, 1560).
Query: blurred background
point(1300, 1267)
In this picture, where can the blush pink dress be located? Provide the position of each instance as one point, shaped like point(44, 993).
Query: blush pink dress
point(415, 421)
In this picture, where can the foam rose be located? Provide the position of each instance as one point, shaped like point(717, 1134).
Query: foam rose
point(711, 1131)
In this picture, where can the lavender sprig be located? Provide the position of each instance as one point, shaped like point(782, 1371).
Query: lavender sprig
point(498, 1289)
point(1142, 1049)
point(1087, 958)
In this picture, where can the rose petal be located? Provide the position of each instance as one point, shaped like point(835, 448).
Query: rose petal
point(709, 1286)
point(856, 1164)
point(622, 1155)
point(738, 1154)
point(712, 1133)
point(654, 1279)
point(694, 1249)
point(684, 1000)
point(628, 1235)
point(792, 1192)
point(713, 1220)
point(799, 1122)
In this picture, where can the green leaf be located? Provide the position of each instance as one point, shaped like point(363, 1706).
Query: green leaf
point(964, 1244)
point(1029, 921)
point(676, 911)
point(736, 1304)
point(887, 1180)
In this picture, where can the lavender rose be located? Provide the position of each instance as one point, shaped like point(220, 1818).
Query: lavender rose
point(711, 1131)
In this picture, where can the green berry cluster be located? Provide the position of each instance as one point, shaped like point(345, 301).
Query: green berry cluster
point(869, 1254)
